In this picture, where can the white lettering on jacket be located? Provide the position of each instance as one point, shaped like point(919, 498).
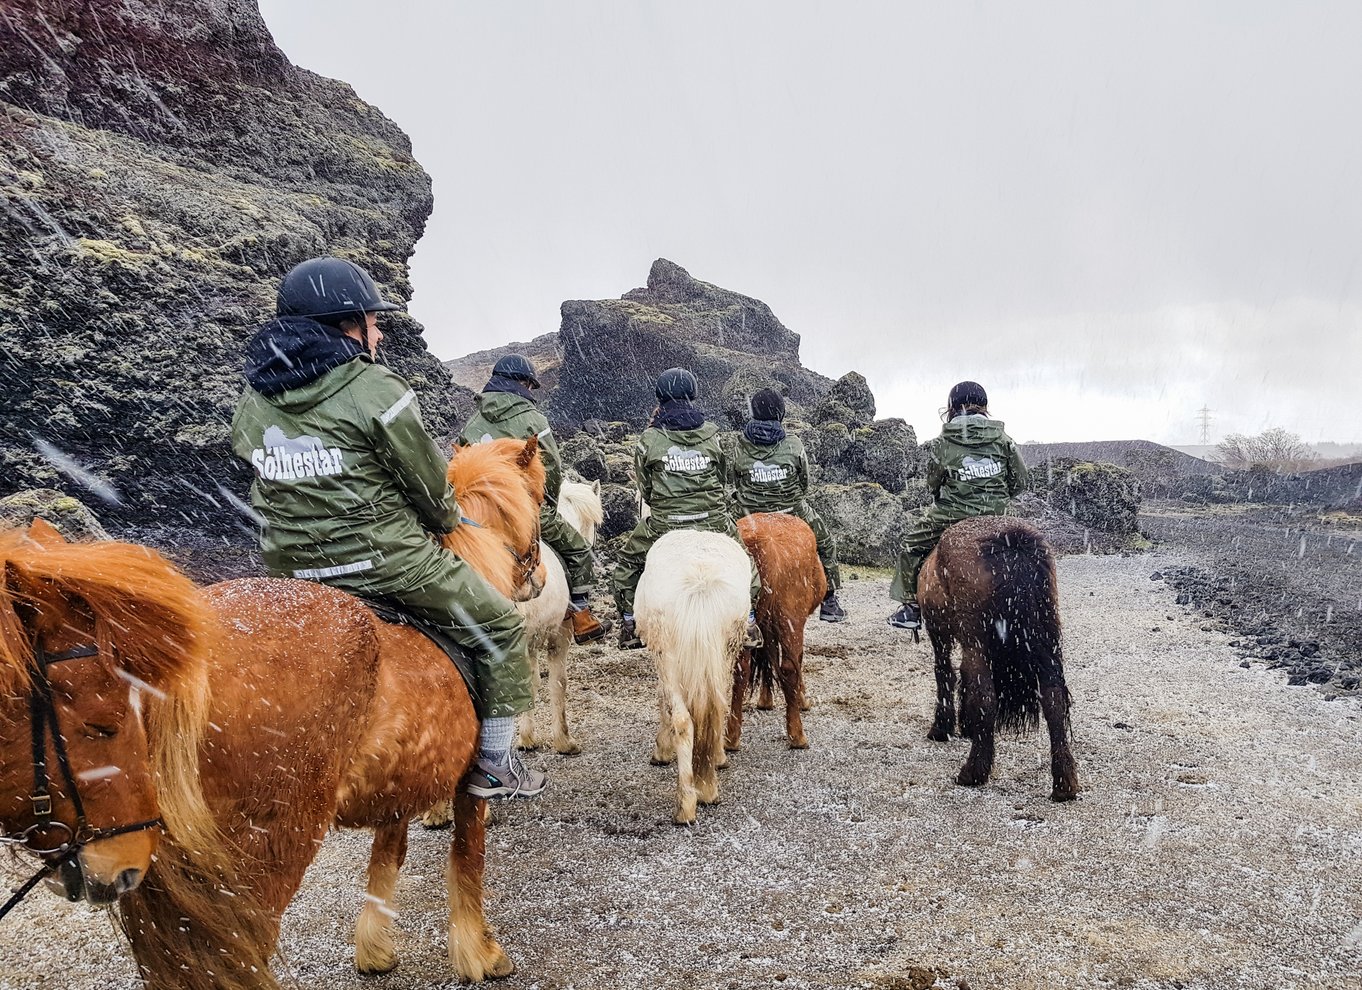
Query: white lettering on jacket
point(284, 458)
point(979, 467)
point(685, 461)
point(766, 473)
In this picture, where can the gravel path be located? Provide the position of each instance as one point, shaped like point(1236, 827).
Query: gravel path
point(1217, 844)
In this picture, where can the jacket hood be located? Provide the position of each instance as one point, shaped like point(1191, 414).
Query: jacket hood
point(973, 431)
point(498, 406)
point(700, 434)
point(291, 352)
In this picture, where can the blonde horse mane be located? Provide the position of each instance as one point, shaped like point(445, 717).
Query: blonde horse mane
point(580, 506)
point(499, 486)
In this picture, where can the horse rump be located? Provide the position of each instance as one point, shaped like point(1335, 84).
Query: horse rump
point(1023, 624)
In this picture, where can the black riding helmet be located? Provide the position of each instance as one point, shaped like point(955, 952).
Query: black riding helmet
point(967, 394)
point(676, 383)
point(516, 367)
point(329, 287)
point(767, 404)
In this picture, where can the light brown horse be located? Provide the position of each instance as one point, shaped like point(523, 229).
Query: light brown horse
point(792, 585)
point(990, 586)
point(322, 716)
point(102, 665)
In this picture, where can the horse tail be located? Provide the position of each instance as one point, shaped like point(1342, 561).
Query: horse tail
point(190, 924)
point(764, 666)
point(1025, 647)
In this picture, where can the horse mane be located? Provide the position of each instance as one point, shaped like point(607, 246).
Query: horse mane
point(501, 495)
point(152, 622)
point(580, 506)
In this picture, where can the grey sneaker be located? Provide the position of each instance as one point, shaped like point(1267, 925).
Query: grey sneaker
point(487, 780)
point(908, 616)
point(831, 610)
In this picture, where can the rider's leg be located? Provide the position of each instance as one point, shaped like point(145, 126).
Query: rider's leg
point(624, 581)
point(580, 566)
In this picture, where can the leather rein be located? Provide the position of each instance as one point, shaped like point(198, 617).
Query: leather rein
point(42, 713)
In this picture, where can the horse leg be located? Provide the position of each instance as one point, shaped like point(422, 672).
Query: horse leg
point(438, 815)
point(473, 952)
point(374, 949)
point(791, 674)
point(557, 656)
point(709, 749)
point(683, 732)
point(524, 723)
point(978, 715)
point(764, 700)
point(943, 725)
point(1054, 704)
point(742, 676)
point(665, 749)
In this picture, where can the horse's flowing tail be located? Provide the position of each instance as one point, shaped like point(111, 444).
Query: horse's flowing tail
point(1025, 648)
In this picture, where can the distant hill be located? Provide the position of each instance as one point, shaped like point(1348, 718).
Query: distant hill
point(1329, 452)
point(1141, 456)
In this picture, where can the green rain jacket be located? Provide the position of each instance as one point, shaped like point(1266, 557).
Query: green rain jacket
point(347, 479)
point(973, 468)
point(504, 414)
point(681, 474)
point(769, 478)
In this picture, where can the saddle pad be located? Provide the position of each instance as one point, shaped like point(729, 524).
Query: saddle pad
point(394, 614)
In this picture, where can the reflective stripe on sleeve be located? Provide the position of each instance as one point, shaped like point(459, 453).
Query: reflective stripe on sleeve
point(391, 413)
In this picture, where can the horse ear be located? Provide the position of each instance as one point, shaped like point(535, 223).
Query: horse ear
point(526, 456)
point(596, 486)
point(43, 533)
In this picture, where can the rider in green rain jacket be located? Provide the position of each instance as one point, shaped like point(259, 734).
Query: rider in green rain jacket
point(680, 469)
point(973, 469)
point(352, 490)
point(770, 473)
point(506, 408)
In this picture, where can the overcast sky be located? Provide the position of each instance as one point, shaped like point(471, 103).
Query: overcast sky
point(1109, 214)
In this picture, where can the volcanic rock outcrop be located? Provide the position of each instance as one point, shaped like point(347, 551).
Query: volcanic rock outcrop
point(163, 164)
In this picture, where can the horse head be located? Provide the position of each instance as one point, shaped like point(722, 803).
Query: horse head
point(96, 640)
point(500, 486)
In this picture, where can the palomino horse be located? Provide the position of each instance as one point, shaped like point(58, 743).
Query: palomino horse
point(102, 698)
point(547, 630)
point(792, 585)
point(322, 716)
point(691, 607)
point(990, 586)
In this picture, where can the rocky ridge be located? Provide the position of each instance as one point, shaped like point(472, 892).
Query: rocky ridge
point(163, 164)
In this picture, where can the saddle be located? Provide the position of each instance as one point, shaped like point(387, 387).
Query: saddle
point(395, 615)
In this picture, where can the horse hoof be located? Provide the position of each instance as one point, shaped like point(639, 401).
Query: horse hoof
point(501, 968)
point(1066, 792)
point(382, 961)
point(569, 748)
point(800, 743)
point(682, 819)
point(660, 761)
point(966, 779)
point(732, 747)
point(937, 735)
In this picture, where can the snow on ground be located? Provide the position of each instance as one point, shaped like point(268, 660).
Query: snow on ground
point(1218, 843)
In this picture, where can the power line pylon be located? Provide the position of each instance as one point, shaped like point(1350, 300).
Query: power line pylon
point(1204, 418)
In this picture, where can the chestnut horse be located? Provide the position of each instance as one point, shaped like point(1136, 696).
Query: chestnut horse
point(102, 700)
point(322, 716)
point(792, 585)
point(990, 586)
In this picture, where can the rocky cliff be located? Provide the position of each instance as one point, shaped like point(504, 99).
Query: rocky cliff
point(610, 351)
point(163, 164)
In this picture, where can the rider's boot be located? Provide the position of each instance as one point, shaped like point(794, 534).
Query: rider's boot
point(908, 616)
point(831, 609)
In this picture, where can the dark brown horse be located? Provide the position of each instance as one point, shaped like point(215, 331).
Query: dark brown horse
point(792, 585)
point(990, 586)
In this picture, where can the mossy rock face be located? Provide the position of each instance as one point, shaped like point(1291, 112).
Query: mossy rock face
point(866, 520)
point(171, 166)
point(614, 349)
point(581, 453)
point(68, 515)
point(850, 401)
point(1103, 497)
point(620, 503)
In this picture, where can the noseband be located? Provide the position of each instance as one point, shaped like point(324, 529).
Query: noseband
point(528, 562)
point(42, 714)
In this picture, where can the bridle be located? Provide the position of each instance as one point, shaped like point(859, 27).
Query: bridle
point(42, 714)
point(526, 563)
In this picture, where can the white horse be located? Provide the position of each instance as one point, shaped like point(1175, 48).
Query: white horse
point(691, 607)
point(548, 629)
